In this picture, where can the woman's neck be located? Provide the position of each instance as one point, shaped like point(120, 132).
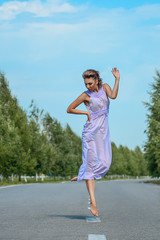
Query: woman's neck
point(96, 90)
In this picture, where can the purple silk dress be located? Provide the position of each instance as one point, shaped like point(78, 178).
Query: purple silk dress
point(96, 143)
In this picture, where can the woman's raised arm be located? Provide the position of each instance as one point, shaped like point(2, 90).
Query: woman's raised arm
point(113, 93)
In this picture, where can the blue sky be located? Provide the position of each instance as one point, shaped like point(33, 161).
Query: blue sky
point(47, 45)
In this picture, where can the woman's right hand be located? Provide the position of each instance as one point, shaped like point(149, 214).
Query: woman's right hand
point(89, 116)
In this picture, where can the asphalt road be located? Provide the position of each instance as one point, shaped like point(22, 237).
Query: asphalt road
point(128, 210)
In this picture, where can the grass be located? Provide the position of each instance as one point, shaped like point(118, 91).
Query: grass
point(7, 182)
point(154, 182)
point(58, 179)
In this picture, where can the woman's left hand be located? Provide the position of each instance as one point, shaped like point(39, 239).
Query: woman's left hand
point(116, 73)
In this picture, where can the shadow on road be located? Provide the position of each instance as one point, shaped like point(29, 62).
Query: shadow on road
point(69, 216)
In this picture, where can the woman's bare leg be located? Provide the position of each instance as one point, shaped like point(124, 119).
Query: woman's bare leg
point(93, 185)
point(90, 183)
point(87, 186)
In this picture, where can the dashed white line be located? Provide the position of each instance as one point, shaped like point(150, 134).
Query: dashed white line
point(96, 237)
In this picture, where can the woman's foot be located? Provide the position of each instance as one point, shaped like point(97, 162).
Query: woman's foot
point(74, 179)
point(94, 210)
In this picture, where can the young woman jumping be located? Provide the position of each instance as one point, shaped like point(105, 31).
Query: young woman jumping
point(96, 143)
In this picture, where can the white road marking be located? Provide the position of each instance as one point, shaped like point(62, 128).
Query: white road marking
point(93, 219)
point(17, 185)
point(96, 237)
point(12, 186)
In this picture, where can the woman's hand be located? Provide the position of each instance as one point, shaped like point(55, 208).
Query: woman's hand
point(116, 73)
point(89, 116)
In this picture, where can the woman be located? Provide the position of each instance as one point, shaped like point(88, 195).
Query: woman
point(96, 143)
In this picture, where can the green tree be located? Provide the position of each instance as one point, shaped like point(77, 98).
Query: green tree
point(152, 145)
point(73, 150)
point(55, 135)
point(14, 134)
point(141, 162)
point(41, 150)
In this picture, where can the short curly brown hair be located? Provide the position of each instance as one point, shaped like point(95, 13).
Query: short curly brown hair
point(94, 74)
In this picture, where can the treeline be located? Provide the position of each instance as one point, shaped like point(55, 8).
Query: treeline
point(128, 162)
point(34, 142)
point(152, 145)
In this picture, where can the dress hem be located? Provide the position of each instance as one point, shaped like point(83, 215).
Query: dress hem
point(97, 178)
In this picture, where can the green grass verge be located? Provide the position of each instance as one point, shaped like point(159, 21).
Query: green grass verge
point(58, 179)
point(32, 180)
point(154, 182)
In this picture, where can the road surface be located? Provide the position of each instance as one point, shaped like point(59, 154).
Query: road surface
point(128, 210)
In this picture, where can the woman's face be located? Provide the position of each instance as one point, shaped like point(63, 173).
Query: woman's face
point(90, 83)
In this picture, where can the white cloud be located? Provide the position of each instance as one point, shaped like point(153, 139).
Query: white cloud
point(11, 9)
point(119, 33)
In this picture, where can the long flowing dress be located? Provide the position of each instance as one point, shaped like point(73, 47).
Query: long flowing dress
point(96, 143)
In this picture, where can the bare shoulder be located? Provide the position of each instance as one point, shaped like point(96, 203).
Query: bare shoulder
point(84, 96)
point(106, 87)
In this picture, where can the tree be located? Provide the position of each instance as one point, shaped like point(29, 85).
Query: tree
point(152, 145)
point(14, 133)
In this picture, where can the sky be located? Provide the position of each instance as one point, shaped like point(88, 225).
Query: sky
point(46, 45)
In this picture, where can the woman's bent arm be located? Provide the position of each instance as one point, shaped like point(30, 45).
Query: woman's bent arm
point(76, 103)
